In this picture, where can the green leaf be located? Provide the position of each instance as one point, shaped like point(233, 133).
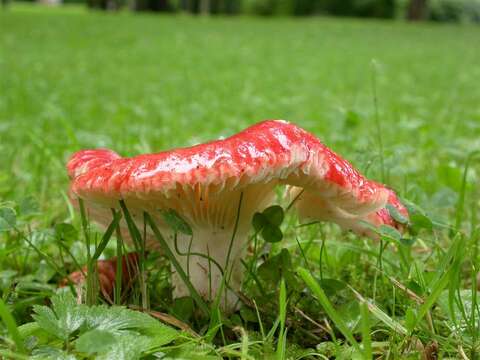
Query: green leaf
point(421, 221)
point(272, 234)
point(29, 329)
point(332, 286)
point(410, 319)
point(51, 353)
point(65, 317)
point(46, 319)
point(390, 232)
point(102, 329)
point(276, 267)
point(415, 287)
point(66, 232)
point(110, 319)
point(395, 214)
point(259, 221)
point(268, 222)
point(128, 346)
point(369, 226)
point(274, 214)
point(95, 341)
point(117, 319)
point(28, 206)
point(408, 241)
point(248, 314)
point(183, 308)
point(44, 272)
point(8, 219)
point(176, 222)
point(418, 217)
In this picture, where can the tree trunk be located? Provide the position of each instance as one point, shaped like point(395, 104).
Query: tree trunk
point(185, 5)
point(417, 10)
point(204, 7)
point(151, 5)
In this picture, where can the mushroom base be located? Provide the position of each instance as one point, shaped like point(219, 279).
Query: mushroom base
point(206, 271)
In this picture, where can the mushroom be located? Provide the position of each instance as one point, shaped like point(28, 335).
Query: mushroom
point(218, 186)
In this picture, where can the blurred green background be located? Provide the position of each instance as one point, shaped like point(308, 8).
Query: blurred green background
point(437, 10)
point(73, 78)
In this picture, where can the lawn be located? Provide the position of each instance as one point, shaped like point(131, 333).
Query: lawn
point(72, 79)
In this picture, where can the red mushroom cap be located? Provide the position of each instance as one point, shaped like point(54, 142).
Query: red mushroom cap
point(270, 150)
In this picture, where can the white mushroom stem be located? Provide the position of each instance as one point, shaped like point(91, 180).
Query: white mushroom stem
point(205, 274)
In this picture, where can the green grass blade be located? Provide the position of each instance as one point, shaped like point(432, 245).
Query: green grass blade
point(107, 235)
point(132, 228)
point(446, 259)
point(117, 297)
point(244, 346)
point(215, 314)
point(432, 298)
point(51, 262)
point(259, 318)
point(445, 276)
point(380, 314)
point(273, 329)
point(140, 249)
point(84, 220)
point(327, 305)
point(461, 196)
point(366, 337)
point(11, 325)
point(91, 295)
point(282, 307)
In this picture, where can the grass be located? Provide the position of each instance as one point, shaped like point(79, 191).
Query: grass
point(398, 100)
